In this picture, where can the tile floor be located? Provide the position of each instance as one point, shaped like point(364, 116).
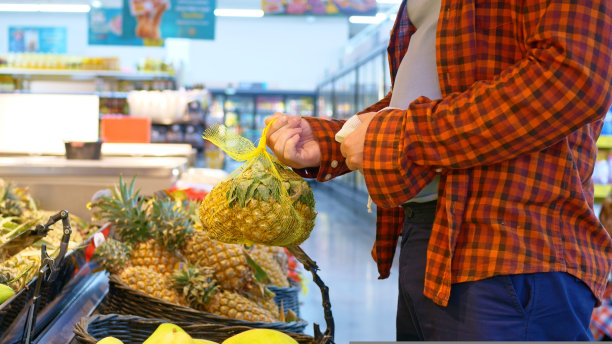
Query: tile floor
point(363, 307)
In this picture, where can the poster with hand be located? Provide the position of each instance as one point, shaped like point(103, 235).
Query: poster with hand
point(106, 28)
point(158, 19)
point(320, 7)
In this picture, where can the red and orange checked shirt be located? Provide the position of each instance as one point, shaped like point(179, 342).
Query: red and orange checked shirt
point(525, 87)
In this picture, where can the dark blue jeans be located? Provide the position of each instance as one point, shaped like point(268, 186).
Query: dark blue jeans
point(527, 307)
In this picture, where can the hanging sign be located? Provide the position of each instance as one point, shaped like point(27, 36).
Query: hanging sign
point(106, 28)
point(320, 7)
point(24, 39)
point(155, 19)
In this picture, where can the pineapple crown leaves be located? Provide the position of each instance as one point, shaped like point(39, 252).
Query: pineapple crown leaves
point(112, 255)
point(255, 182)
point(196, 283)
point(171, 222)
point(126, 210)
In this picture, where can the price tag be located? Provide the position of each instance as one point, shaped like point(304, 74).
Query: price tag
point(98, 239)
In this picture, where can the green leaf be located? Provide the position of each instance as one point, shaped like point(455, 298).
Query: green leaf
point(264, 193)
point(260, 275)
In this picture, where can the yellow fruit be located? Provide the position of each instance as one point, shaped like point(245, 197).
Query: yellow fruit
point(203, 341)
point(109, 340)
point(150, 254)
point(260, 336)
point(149, 282)
point(228, 260)
point(250, 208)
point(6, 293)
point(169, 333)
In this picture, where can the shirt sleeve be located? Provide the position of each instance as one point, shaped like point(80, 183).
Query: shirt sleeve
point(562, 84)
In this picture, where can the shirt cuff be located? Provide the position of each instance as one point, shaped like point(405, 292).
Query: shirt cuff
point(332, 162)
point(390, 177)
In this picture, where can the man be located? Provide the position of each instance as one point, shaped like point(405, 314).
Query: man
point(509, 246)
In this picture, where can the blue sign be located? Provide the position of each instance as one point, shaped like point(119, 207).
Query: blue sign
point(106, 28)
point(25, 39)
point(156, 19)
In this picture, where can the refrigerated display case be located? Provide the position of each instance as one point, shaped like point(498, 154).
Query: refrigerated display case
point(351, 90)
point(245, 111)
point(325, 100)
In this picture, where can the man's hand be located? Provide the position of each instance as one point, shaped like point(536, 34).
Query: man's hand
point(352, 146)
point(292, 142)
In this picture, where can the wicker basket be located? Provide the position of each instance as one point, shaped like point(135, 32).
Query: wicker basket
point(134, 329)
point(287, 297)
point(10, 310)
point(121, 299)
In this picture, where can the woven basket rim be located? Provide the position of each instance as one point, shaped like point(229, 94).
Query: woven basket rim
point(81, 328)
point(114, 279)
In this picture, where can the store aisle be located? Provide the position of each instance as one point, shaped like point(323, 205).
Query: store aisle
point(363, 307)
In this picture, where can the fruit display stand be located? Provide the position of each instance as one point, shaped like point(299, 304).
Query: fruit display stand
point(122, 299)
point(46, 294)
point(136, 329)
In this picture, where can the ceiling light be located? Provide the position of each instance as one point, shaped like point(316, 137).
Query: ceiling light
point(71, 8)
point(226, 12)
point(379, 18)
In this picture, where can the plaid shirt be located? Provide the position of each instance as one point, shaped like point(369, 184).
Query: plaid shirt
point(525, 86)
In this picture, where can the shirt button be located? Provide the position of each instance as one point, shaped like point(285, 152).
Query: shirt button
point(328, 177)
point(438, 170)
point(334, 164)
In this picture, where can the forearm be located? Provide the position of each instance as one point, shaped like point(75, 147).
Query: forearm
point(561, 84)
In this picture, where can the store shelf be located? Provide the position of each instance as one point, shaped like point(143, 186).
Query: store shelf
point(605, 142)
point(85, 74)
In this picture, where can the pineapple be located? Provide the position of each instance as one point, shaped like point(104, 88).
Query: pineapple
point(150, 282)
point(127, 211)
point(228, 261)
point(14, 201)
point(266, 302)
point(199, 288)
point(151, 254)
point(265, 259)
point(171, 223)
point(112, 255)
point(249, 208)
point(26, 261)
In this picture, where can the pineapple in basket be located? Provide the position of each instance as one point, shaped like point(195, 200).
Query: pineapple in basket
point(134, 225)
point(20, 268)
point(198, 287)
point(265, 259)
point(112, 255)
point(228, 261)
point(151, 283)
point(258, 205)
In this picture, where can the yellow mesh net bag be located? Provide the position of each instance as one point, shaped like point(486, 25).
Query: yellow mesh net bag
point(261, 202)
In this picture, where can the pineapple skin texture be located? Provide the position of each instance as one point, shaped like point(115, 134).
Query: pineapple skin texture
point(228, 260)
point(261, 222)
point(150, 254)
point(236, 306)
point(266, 261)
point(150, 282)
